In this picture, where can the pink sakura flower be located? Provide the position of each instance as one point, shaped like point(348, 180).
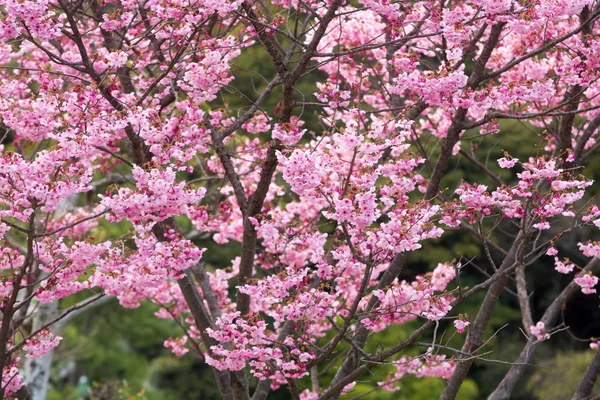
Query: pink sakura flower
point(562, 267)
point(334, 97)
point(591, 249)
point(258, 124)
point(539, 331)
point(436, 366)
point(454, 55)
point(3, 229)
point(111, 24)
point(438, 308)
point(507, 163)
point(592, 216)
point(552, 251)
point(308, 395)
point(116, 59)
point(460, 325)
point(542, 225)
point(6, 289)
point(177, 346)
point(41, 344)
point(287, 133)
point(11, 380)
point(348, 387)
point(587, 282)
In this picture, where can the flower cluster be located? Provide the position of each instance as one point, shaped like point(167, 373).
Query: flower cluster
point(425, 366)
point(147, 272)
point(41, 344)
point(156, 198)
point(246, 342)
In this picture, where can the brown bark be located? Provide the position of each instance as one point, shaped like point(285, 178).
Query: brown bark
point(475, 336)
point(506, 386)
point(584, 389)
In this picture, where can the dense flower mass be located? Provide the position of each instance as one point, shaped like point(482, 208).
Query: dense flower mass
point(136, 134)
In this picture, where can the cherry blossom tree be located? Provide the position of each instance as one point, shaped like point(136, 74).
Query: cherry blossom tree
point(113, 112)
